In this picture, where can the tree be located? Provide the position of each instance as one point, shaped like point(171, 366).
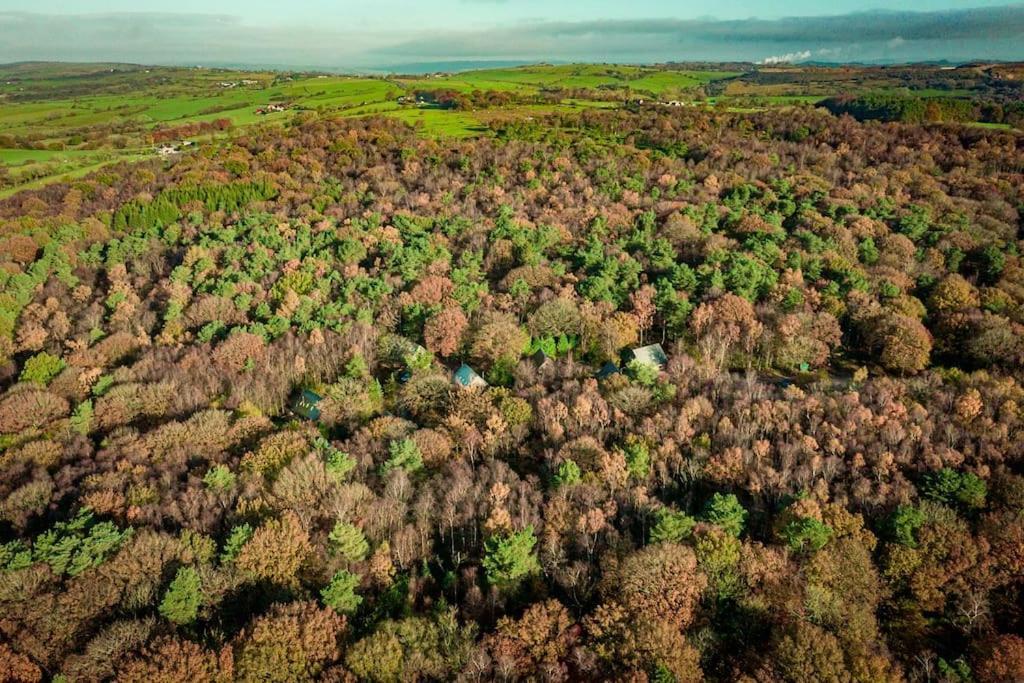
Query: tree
point(718, 557)
point(568, 473)
point(183, 597)
point(276, 550)
point(171, 660)
point(348, 541)
point(378, 657)
point(17, 668)
point(41, 368)
point(903, 525)
point(671, 526)
point(1003, 660)
point(236, 540)
point(629, 646)
point(807, 654)
point(508, 558)
point(904, 343)
point(950, 487)
point(725, 511)
point(403, 454)
point(537, 644)
point(616, 332)
point(554, 318)
point(660, 582)
point(724, 326)
point(642, 301)
point(638, 457)
point(340, 593)
point(497, 337)
point(443, 331)
point(292, 642)
point(219, 478)
point(806, 533)
point(952, 294)
point(645, 374)
point(413, 648)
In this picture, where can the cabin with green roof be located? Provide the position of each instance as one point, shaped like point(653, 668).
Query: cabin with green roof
point(652, 354)
point(466, 377)
point(305, 404)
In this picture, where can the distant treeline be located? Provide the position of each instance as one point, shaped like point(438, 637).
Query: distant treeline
point(190, 130)
point(447, 98)
point(924, 109)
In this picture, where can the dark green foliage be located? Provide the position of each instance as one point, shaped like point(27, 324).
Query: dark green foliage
point(340, 593)
point(903, 524)
point(79, 544)
point(671, 526)
point(905, 109)
point(41, 368)
point(183, 598)
point(950, 487)
point(725, 511)
point(867, 251)
point(403, 454)
point(508, 558)
point(219, 478)
point(806, 534)
point(237, 537)
point(568, 474)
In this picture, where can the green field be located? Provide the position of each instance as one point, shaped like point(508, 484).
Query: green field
point(186, 96)
point(57, 119)
point(571, 76)
point(18, 157)
point(60, 120)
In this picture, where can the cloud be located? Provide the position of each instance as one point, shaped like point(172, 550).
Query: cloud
point(169, 38)
point(958, 34)
point(986, 33)
point(787, 58)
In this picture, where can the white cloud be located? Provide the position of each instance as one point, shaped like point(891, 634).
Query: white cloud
point(787, 58)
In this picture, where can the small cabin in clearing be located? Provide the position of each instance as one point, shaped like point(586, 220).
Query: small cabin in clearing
point(305, 404)
point(652, 354)
point(466, 377)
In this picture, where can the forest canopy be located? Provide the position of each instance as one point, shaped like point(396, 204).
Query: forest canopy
point(820, 479)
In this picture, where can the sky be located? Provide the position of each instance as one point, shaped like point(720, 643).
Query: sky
point(382, 34)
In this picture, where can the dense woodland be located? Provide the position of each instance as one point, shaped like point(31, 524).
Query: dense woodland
point(823, 484)
point(910, 109)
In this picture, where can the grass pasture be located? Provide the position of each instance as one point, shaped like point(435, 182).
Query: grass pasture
point(57, 119)
point(60, 119)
